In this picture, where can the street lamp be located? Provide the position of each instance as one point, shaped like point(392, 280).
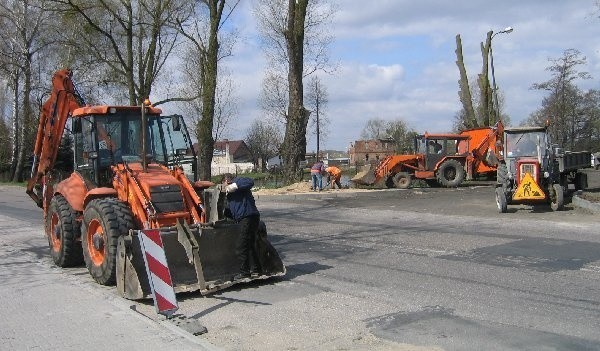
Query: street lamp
point(494, 87)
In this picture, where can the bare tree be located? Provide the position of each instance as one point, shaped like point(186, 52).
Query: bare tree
point(465, 90)
point(480, 96)
point(562, 107)
point(129, 40)
point(24, 23)
point(398, 130)
point(402, 134)
point(374, 129)
point(264, 140)
point(317, 99)
point(274, 96)
point(205, 43)
point(295, 43)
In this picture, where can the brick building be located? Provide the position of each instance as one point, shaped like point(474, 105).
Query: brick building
point(371, 151)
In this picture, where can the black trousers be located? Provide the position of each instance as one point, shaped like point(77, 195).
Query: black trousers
point(246, 250)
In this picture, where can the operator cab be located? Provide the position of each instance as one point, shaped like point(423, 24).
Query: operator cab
point(525, 142)
point(435, 147)
point(103, 140)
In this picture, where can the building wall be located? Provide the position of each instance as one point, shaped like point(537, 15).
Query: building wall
point(370, 151)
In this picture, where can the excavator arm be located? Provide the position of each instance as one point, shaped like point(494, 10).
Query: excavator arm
point(64, 99)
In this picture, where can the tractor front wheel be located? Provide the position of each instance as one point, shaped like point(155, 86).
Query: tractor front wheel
point(104, 221)
point(63, 231)
point(556, 197)
point(501, 200)
point(402, 180)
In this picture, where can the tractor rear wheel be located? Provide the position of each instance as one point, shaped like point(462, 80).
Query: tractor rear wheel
point(104, 221)
point(63, 232)
point(556, 197)
point(501, 200)
point(402, 180)
point(451, 173)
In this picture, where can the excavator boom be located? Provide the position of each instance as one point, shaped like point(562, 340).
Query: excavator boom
point(64, 99)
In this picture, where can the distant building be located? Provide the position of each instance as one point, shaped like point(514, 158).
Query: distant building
point(231, 151)
point(230, 156)
point(370, 151)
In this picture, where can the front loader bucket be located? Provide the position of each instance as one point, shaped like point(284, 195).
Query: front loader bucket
point(200, 258)
point(364, 177)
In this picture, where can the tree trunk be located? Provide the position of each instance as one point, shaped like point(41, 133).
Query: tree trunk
point(465, 92)
point(24, 136)
point(15, 132)
point(486, 107)
point(206, 142)
point(294, 142)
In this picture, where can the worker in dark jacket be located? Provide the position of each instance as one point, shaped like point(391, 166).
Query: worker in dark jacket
point(242, 208)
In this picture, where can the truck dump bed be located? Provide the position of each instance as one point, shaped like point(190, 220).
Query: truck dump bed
point(571, 161)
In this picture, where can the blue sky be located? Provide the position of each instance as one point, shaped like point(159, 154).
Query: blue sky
point(396, 59)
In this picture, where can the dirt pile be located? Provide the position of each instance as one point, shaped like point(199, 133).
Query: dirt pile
point(300, 187)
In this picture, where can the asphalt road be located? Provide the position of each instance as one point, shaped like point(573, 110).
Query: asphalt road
point(416, 269)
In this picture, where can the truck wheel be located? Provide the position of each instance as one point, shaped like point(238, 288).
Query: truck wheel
point(104, 221)
point(556, 197)
point(451, 173)
point(501, 200)
point(402, 180)
point(63, 231)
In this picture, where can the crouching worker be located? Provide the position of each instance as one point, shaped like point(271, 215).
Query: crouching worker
point(242, 208)
point(334, 175)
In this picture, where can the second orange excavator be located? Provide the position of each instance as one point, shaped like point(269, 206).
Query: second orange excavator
point(440, 160)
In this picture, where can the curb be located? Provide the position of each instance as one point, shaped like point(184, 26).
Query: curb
point(591, 206)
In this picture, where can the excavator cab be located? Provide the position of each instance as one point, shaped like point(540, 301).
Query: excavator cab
point(105, 140)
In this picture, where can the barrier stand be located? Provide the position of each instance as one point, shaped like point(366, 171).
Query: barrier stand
point(158, 272)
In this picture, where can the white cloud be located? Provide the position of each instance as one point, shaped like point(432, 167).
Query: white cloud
point(397, 59)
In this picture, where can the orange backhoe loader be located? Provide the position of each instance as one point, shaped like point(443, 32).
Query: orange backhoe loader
point(440, 159)
point(128, 174)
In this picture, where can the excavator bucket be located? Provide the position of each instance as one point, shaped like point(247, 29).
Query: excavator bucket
point(200, 257)
point(364, 177)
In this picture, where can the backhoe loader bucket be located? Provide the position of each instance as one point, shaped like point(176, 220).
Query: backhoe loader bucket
point(364, 177)
point(200, 257)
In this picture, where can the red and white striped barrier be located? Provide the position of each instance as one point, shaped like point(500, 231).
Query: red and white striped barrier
point(158, 272)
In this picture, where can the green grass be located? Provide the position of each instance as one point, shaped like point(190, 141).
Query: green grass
point(23, 184)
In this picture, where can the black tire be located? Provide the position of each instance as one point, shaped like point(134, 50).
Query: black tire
point(502, 174)
point(402, 180)
point(556, 195)
point(451, 173)
point(63, 232)
point(105, 220)
point(501, 200)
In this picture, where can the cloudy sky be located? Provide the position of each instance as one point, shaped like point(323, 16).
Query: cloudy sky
point(396, 59)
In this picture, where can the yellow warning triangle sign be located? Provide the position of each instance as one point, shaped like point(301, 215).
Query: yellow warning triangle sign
point(529, 190)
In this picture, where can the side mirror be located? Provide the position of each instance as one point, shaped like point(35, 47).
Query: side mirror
point(176, 122)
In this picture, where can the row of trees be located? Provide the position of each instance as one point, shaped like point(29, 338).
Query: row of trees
point(120, 51)
point(572, 113)
point(124, 50)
